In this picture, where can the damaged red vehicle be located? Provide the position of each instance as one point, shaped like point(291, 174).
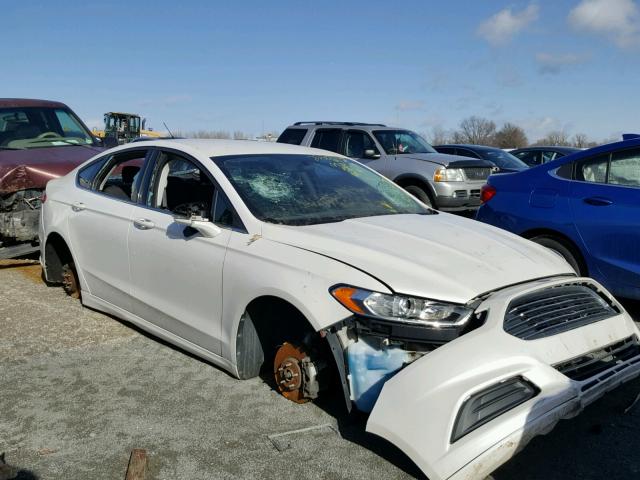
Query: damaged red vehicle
point(39, 140)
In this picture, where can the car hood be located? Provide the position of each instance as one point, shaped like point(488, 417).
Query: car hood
point(33, 168)
point(441, 256)
point(448, 160)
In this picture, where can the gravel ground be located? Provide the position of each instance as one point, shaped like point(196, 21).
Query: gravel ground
point(79, 390)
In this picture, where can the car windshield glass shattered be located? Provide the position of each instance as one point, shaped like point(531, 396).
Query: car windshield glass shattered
point(37, 127)
point(399, 142)
point(309, 189)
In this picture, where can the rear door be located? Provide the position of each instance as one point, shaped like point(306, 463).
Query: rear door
point(176, 272)
point(99, 222)
point(605, 201)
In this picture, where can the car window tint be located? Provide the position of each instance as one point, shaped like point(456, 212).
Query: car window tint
point(356, 142)
point(446, 150)
point(547, 156)
point(121, 176)
point(327, 139)
point(180, 187)
point(565, 171)
point(625, 168)
point(531, 158)
point(88, 173)
point(223, 212)
point(466, 153)
point(593, 170)
point(292, 136)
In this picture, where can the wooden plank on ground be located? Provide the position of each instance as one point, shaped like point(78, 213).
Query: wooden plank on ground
point(137, 464)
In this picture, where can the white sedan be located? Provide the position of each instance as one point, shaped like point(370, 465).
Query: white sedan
point(462, 340)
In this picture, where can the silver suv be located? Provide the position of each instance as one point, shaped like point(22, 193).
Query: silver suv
point(445, 182)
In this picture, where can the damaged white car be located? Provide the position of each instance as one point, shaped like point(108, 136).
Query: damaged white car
point(462, 340)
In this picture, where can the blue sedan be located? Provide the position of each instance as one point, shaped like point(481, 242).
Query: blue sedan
point(585, 206)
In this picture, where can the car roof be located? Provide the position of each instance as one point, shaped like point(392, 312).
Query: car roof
point(344, 125)
point(468, 145)
point(29, 102)
point(217, 148)
point(548, 147)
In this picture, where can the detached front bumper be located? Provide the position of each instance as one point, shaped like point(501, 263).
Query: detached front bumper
point(418, 408)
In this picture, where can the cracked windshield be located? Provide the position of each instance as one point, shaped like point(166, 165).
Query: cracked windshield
point(25, 128)
point(306, 189)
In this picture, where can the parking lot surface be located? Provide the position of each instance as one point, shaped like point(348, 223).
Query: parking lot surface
point(79, 390)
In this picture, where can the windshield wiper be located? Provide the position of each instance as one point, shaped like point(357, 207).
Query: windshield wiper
point(67, 142)
point(12, 148)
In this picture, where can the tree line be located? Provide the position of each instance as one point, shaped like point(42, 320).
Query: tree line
point(482, 131)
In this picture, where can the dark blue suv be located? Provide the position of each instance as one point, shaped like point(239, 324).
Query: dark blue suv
point(585, 206)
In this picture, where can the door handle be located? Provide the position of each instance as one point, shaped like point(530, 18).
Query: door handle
point(143, 223)
point(78, 206)
point(598, 201)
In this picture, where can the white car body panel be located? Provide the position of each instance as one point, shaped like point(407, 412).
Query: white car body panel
point(193, 292)
point(408, 253)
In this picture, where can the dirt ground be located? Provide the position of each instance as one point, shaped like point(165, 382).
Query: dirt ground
point(79, 390)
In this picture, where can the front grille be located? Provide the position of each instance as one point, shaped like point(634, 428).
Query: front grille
point(597, 361)
point(554, 310)
point(474, 193)
point(477, 173)
point(460, 194)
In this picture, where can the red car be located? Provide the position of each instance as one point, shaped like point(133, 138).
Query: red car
point(39, 140)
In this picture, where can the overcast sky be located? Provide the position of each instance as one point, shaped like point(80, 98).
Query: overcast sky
point(258, 66)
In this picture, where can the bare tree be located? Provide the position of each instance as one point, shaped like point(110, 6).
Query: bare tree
point(510, 136)
point(209, 134)
point(476, 130)
point(557, 138)
point(238, 135)
point(438, 136)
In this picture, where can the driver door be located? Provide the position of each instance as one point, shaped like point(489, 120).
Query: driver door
point(176, 273)
point(359, 145)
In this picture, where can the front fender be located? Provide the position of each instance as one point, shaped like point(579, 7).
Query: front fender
point(256, 267)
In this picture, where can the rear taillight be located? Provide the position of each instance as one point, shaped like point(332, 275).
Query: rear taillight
point(487, 192)
point(43, 197)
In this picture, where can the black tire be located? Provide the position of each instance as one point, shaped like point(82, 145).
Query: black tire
point(420, 194)
point(563, 249)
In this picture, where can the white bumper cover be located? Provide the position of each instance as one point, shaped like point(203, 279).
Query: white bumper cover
point(418, 407)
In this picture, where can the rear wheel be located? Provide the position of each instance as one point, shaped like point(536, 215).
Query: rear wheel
point(420, 194)
point(563, 249)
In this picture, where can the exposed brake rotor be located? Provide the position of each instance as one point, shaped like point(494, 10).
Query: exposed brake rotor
point(293, 372)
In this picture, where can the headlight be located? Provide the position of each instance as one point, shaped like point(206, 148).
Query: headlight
point(400, 308)
point(448, 175)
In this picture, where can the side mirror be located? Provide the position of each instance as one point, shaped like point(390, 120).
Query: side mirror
point(371, 154)
point(202, 225)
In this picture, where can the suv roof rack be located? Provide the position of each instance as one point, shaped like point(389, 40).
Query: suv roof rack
point(323, 122)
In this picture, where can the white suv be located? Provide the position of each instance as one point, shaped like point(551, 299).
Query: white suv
point(462, 340)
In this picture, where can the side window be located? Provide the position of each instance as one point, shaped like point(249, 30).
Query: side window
point(87, 175)
point(565, 171)
point(447, 150)
point(327, 139)
point(548, 156)
point(292, 136)
point(593, 170)
point(181, 187)
point(466, 153)
point(121, 176)
point(224, 213)
point(625, 168)
point(531, 158)
point(356, 142)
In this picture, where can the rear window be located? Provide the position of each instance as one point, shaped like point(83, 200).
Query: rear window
point(327, 139)
point(292, 136)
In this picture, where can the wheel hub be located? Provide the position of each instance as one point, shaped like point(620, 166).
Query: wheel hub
point(288, 369)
